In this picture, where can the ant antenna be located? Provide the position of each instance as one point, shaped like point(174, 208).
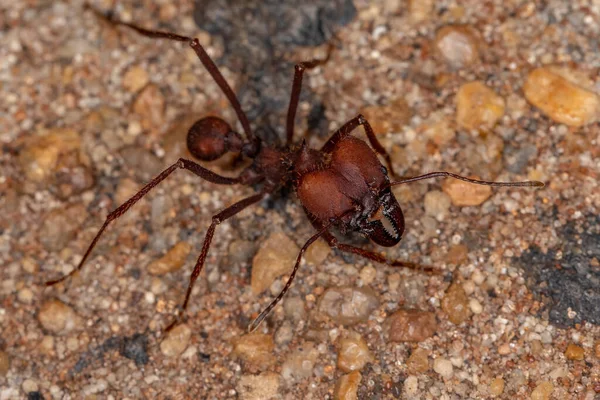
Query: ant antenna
point(463, 178)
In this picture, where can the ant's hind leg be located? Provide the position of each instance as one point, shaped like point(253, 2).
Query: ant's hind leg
point(216, 220)
point(346, 129)
point(123, 208)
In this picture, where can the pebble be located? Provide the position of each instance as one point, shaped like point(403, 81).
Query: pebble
point(475, 306)
point(353, 353)
point(346, 387)
point(135, 78)
point(29, 385)
point(259, 387)
point(284, 334)
point(275, 257)
point(144, 163)
point(420, 10)
point(560, 97)
point(443, 367)
point(411, 325)
point(411, 385)
point(25, 296)
point(60, 226)
point(596, 348)
point(457, 254)
point(390, 118)
point(4, 363)
point(317, 252)
point(348, 305)
point(294, 308)
point(255, 348)
point(39, 157)
point(299, 364)
point(176, 341)
point(172, 260)
point(464, 194)
point(240, 251)
point(437, 204)
point(478, 107)
point(418, 362)
point(574, 352)
point(497, 387)
point(542, 391)
point(368, 274)
point(150, 106)
point(57, 317)
point(458, 45)
point(456, 304)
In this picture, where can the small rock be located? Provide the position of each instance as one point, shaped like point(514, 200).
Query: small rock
point(411, 385)
point(300, 364)
point(346, 387)
point(240, 251)
point(284, 334)
point(421, 10)
point(25, 296)
point(466, 194)
point(275, 257)
point(561, 98)
point(478, 107)
point(597, 349)
point(135, 348)
point(176, 341)
point(317, 252)
point(348, 305)
point(497, 387)
point(4, 363)
point(411, 325)
point(135, 78)
point(150, 106)
point(368, 274)
point(57, 317)
point(418, 362)
point(29, 386)
point(437, 204)
point(60, 226)
point(40, 155)
point(294, 308)
point(458, 45)
point(390, 118)
point(457, 254)
point(255, 348)
point(353, 353)
point(475, 306)
point(71, 176)
point(172, 261)
point(542, 391)
point(456, 304)
point(259, 387)
point(145, 164)
point(443, 367)
point(574, 352)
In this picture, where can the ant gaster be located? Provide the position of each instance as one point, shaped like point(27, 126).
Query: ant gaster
point(343, 184)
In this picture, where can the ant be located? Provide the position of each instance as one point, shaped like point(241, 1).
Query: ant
point(343, 184)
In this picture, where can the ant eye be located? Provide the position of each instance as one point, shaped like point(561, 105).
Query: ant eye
point(384, 170)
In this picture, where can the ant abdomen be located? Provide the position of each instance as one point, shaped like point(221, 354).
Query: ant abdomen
point(211, 137)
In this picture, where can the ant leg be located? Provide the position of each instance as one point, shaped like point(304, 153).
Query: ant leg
point(271, 306)
point(122, 209)
point(216, 220)
point(463, 178)
point(346, 129)
point(371, 255)
point(297, 87)
point(205, 59)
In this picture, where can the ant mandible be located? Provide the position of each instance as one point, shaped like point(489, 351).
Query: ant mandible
point(342, 184)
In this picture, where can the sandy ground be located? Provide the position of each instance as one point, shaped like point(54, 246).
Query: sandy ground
point(89, 113)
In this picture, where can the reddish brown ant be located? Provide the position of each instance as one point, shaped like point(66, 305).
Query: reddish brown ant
point(341, 185)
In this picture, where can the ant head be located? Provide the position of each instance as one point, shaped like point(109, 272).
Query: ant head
point(355, 185)
point(211, 137)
